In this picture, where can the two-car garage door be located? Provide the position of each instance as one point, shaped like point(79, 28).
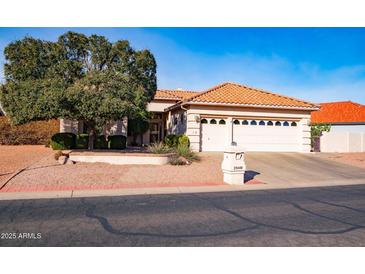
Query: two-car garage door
point(253, 135)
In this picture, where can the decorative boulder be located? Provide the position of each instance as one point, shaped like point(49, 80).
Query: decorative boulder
point(62, 159)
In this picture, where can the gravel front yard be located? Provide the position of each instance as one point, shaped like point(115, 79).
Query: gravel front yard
point(48, 174)
point(355, 159)
point(14, 158)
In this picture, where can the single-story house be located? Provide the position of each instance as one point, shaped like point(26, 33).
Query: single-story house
point(347, 132)
point(255, 119)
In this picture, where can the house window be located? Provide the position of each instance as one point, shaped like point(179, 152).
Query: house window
point(213, 121)
point(244, 122)
point(293, 124)
point(236, 122)
point(270, 123)
point(222, 122)
point(285, 124)
point(253, 123)
point(204, 121)
point(262, 123)
point(278, 124)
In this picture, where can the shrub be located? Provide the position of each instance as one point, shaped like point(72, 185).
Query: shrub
point(184, 140)
point(63, 140)
point(159, 148)
point(187, 153)
point(101, 142)
point(172, 140)
point(82, 141)
point(33, 133)
point(117, 142)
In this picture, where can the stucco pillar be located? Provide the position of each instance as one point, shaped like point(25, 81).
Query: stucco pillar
point(193, 130)
point(229, 129)
point(305, 134)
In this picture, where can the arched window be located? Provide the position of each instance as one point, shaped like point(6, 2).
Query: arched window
point(244, 122)
point(213, 121)
point(253, 123)
point(236, 122)
point(285, 124)
point(222, 122)
point(270, 123)
point(262, 123)
point(204, 121)
point(278, 124)
point(293, 124)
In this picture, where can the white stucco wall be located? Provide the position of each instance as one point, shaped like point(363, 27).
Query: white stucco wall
point(343, 141)
point(344, 138)
point(347, 128)
point(159, 106)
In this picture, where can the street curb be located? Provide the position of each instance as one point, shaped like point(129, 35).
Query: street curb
point(161, 190)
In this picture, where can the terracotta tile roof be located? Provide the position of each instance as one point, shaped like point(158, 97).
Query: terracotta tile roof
point(174, 94)
point(339, 112)
point(232, 93)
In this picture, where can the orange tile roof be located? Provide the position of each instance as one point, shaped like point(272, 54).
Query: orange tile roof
point(231, 93)
point(339, 112)
point(174, 94)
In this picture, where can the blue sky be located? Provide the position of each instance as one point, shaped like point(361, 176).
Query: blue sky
point(317, 64)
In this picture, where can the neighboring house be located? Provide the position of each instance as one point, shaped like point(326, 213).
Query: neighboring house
point(256, 120)
point(347, 120)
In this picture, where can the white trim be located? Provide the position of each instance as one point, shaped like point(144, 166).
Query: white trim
point(242, 105)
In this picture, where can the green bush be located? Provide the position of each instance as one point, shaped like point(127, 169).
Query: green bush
point(64, 140)
point(184, 140)
point(82, 141)
point(117, 142)
point(100, 142)
point(172, 140)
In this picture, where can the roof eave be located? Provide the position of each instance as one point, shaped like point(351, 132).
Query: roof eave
point(245, 105)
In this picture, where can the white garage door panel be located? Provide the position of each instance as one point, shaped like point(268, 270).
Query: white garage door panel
point(266, 138)
point(214, 137)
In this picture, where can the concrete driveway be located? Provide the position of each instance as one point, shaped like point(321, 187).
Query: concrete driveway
point(299, 169)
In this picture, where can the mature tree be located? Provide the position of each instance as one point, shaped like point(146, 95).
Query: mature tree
point(77, 77)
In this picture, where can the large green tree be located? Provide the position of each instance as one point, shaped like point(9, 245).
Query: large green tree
point(77, 77)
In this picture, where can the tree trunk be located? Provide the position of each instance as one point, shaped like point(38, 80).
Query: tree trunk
point(91, 139)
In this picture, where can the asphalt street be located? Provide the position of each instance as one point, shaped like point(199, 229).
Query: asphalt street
point(327, 216)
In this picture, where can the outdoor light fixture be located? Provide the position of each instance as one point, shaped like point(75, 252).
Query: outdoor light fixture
point(197, 118)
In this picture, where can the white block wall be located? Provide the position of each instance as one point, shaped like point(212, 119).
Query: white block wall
point(343, 142)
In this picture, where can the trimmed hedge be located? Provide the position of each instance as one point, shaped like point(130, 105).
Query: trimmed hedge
point(101, 142)
point(117, 142)
point(82, 141)
point(63, 140)
point(33, 133)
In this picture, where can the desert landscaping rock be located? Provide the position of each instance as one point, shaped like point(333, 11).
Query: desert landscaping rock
point(62, 160)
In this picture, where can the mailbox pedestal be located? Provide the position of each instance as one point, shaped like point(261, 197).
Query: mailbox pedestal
point(233, 165)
